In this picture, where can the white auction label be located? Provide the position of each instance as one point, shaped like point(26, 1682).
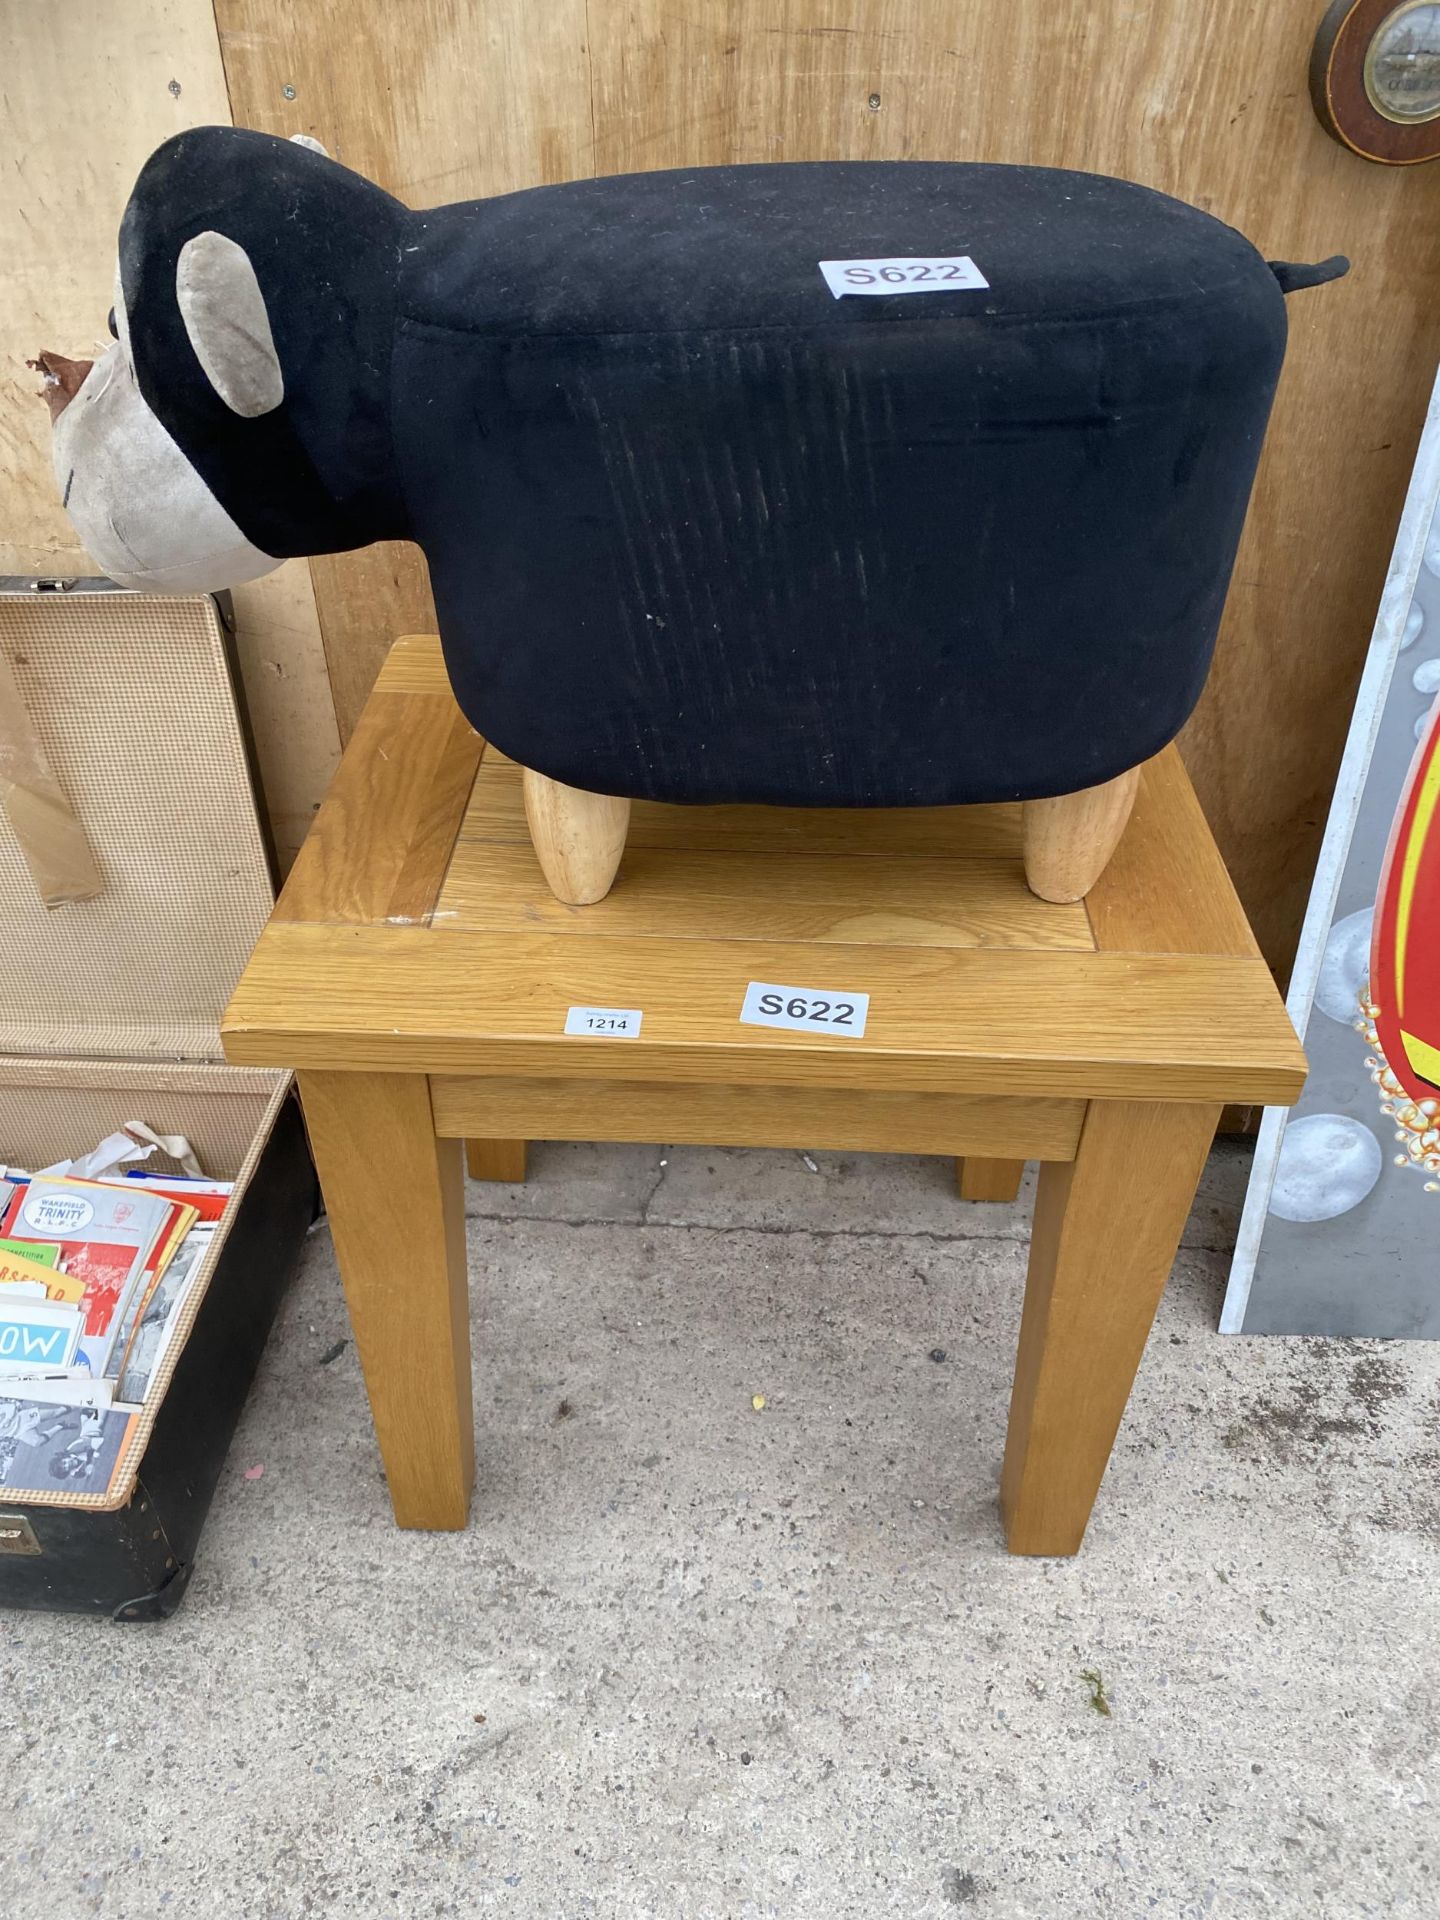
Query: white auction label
point(805, 1009)
point(942, 273)
point(605, 1023)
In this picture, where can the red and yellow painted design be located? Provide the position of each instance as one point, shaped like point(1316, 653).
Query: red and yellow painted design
point(1402, 1009)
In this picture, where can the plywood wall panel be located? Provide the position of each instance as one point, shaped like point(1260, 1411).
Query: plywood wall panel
point(85, 101)
point(289, 700)
point(436, 100)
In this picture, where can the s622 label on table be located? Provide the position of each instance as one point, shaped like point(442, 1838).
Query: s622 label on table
point(805, 1009)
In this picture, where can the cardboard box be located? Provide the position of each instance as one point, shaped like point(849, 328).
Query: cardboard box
point(133, 748)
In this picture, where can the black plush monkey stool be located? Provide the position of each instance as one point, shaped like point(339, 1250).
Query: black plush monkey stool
point(843, 485)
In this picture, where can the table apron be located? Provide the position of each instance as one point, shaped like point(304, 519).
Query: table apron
point(492, 1107)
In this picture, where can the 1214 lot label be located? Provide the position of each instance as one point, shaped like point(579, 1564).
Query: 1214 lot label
point(605, 1023)
point(805, 1009)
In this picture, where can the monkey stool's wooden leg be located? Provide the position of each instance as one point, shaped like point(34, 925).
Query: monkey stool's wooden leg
point(1069, 840)
point(396, 1199)
point(495, 1159)
point(578, 837)
point(989, 1179)
point(1106, 1228)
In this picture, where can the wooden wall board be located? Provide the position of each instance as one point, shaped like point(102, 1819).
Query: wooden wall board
point(364, 599)
point(289, 699)
point(84, 105)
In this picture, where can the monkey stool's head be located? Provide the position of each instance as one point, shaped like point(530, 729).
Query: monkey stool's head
point(187, 457)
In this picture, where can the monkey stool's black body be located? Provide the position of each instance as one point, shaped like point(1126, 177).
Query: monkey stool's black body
point(699, 531)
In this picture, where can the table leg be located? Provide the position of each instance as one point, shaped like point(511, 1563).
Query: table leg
point(495, 1159)
point(395, 1195)
point(989, 1179)
point(1106, 1228)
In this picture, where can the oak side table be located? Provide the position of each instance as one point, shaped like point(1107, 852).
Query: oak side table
point(420, 977)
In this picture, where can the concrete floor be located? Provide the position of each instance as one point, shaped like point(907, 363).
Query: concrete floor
point(694, 1660)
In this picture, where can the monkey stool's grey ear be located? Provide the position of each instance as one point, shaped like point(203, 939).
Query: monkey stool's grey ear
point(225, 318)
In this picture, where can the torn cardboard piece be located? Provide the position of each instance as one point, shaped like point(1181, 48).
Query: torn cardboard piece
point(51, 838)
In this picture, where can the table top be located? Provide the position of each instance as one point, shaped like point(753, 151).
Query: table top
point(417, 934)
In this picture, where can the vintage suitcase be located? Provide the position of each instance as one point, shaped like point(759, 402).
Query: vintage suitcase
point(126, 705)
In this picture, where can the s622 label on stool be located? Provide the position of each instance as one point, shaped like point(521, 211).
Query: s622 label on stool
point(939, 273)
point(605, 1023)
point(805, 1009)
